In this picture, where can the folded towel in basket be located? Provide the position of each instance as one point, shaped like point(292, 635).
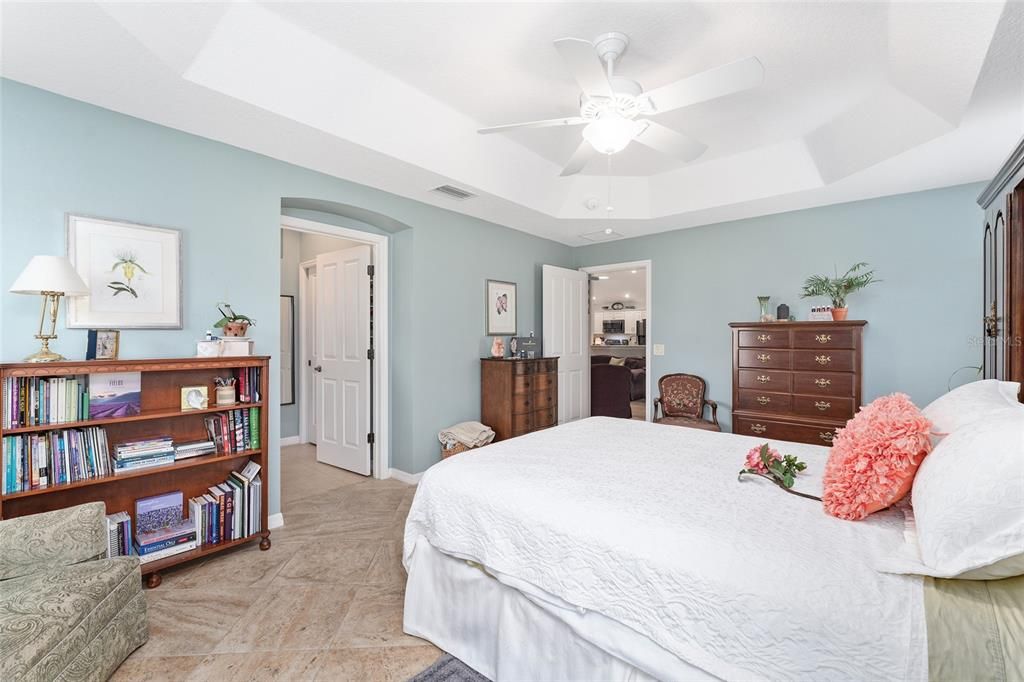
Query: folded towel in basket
point(470, 434)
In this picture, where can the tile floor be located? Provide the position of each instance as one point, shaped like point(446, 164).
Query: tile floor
point(324, 603)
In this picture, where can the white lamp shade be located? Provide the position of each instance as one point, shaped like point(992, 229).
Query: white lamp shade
point(49, 273)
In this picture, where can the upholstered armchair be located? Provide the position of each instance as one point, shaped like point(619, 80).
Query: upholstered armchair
point(66, 612)
point(681, 402)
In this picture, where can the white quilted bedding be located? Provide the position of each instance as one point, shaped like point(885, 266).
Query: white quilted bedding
point(647, 525)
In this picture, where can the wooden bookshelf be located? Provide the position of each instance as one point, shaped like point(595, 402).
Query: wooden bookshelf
point(162, 380)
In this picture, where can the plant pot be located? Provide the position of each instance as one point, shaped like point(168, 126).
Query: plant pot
point(839, 314)
point(236, 328)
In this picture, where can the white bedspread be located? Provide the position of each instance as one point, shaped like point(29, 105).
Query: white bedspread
point(647, 525)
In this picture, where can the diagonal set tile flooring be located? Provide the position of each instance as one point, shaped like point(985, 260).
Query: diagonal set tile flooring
point(324, 603)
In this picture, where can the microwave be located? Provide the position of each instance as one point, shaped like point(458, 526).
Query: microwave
point(614, 327)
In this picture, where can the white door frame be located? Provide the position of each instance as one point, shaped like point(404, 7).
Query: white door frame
point(379, 244)
point(649, 343)
point(306, 392)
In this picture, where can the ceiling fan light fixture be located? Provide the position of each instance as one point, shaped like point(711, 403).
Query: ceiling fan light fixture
point(610, 133)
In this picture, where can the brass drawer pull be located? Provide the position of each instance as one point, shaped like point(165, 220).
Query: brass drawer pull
point(823, 359)
point(827, 436)
point(758, 428)
point(822, 405)
point(822, 383)
point(763, 379)
point(763, 399)
point(764, 338)
point(764, 357)
point(822, 338)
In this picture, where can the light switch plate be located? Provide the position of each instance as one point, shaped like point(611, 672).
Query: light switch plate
point(659, 349)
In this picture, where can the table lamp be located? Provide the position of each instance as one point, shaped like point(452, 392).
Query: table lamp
point(50, 277)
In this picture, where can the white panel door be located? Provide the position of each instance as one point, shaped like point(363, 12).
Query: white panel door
point(343, 340)
point(566, 336)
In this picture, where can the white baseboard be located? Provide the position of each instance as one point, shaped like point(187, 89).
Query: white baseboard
point(404, 476)
point(275, 521)
point(291, 440)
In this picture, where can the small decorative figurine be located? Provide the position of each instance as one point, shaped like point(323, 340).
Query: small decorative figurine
point(782, 312)
point(498, 348)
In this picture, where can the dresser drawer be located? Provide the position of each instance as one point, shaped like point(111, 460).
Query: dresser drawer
point(774, 430)
point(823, 338)
point(765, 380)
point(524, 402)
point(764, 401)
point(764, 338)
point(543, 399)
point(766, 358)
point(823, 406)
point(823, 383)
point(522, 383)
point(832, 360)
point(542, 382)
point(520, 368)
point(522, 423)
point(544, 418)
point(549, 365)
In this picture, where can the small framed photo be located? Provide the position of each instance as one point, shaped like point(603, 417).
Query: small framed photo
point(501, 308)
point(195, 398)
point(103, 344)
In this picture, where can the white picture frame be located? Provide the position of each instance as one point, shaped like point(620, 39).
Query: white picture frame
point(133, 272)
point(501, 302)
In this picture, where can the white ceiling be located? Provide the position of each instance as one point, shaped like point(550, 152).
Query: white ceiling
point(859, 100)
point(628, 287)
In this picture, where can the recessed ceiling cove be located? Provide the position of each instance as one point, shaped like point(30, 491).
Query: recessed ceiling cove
point(856, 100)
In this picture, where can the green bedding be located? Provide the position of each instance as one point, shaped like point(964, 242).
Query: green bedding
point(975, 630)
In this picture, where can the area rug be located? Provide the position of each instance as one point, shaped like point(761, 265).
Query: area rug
point(449, 669)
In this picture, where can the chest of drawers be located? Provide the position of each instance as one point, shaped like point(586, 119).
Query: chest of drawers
point(796, 381)
point(518, 396)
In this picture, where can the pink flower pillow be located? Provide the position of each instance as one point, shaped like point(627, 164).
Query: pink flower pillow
point(875, 457)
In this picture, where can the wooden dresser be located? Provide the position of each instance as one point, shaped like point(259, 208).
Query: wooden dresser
point(796, 381)
point(518, 396)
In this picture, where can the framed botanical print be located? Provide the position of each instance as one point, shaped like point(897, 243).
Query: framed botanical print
point(133, 273)
point(501, 308)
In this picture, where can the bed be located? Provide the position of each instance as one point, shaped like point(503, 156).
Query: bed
point(610, 549)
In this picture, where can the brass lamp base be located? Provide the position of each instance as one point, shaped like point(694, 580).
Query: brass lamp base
point(51, 299)
point(44, 354)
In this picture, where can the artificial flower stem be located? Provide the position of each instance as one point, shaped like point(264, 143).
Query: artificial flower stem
point(778, 483)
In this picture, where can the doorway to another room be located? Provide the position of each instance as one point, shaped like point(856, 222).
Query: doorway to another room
point(333, 346)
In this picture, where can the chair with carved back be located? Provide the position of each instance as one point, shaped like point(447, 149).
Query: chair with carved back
point(681, 402)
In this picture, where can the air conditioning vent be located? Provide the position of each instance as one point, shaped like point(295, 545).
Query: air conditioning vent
point(600, 236)
point(453, 192)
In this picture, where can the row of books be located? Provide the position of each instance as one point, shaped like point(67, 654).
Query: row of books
point(31, 401)
point(235, 430)
point(247, 379)
point(39, 460)
point(230, 510)
point(119, 534)
point(142, 454)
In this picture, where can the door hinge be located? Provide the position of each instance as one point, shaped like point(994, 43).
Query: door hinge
point(369, 354)
point(370, 438)
point(369, 270)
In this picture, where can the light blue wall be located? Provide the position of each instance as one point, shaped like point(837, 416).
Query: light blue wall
point(61, 155)
point(922, 320)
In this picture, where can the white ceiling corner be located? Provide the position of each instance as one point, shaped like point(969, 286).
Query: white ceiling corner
point(859, 99)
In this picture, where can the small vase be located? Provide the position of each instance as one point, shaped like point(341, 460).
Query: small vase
point(766, 314)
point(839, 314)
point(236, 328)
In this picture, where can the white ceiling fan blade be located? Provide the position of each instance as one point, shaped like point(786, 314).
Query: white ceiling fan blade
point(667, 141)
point(585, 66)
point(549, 123)
point(580, 158)
point(724, 80)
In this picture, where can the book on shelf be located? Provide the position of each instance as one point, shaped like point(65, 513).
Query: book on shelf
point(115, 394)
point(229, 510)
point(41, 460)
point(38, 401)
point(247, 380)
point(202, 447)
point(159, 539)
point(119, 534)
point(169, 552)
point(158, 511)
point(234, 430)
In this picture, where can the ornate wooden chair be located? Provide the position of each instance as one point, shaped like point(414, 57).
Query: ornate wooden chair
point(681, 402)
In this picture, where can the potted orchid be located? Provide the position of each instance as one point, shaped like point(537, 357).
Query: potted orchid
point(838, 288)
point(231, 322)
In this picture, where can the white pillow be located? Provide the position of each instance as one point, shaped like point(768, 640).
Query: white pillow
point(969, 403)
point(968, 500)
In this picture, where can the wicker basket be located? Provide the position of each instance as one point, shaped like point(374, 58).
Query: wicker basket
point(454, 450)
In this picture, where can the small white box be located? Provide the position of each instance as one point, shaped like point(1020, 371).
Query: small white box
point(229, 348)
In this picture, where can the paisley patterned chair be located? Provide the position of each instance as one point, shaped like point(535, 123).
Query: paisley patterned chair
point(681, 403)
point(66, 612)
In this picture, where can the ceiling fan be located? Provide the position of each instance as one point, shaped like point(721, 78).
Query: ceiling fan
point(610, 106)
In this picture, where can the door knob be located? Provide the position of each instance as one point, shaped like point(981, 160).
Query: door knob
point(318, 368)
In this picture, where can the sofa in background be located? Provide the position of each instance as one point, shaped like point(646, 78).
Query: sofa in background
point(609, 391)
point(638, 369)
point(66, 612)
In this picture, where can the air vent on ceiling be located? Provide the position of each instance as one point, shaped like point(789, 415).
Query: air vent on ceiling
point(600, 236)
point(453, 192)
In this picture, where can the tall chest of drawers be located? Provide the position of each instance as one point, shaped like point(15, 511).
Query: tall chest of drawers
point(796, 381)
point(518, 396)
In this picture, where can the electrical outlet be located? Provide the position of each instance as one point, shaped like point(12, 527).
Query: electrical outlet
point(659, 349)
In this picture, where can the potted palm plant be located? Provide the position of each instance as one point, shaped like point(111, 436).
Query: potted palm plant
point(838, 288)
point(231, 322)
